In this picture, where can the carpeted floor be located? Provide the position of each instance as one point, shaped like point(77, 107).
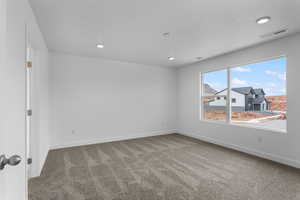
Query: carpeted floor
point(170, 167)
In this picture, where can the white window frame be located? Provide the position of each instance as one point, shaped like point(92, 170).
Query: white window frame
point(228, 120)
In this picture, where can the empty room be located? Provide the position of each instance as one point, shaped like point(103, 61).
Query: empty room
point(149, 100)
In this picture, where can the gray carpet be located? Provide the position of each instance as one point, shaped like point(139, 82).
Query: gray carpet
point(170, 167)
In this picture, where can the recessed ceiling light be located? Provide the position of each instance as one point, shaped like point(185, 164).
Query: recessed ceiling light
point(171, 58)
point(100, 46)
point(263, 20)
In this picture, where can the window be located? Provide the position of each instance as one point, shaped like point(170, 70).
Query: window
point(258, 95)
point(214, 94)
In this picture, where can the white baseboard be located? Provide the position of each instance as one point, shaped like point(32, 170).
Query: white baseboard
point(268, 156)
point(104, 140)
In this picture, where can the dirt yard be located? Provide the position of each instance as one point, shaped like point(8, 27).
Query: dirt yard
point(278, 102)
point(239, 116)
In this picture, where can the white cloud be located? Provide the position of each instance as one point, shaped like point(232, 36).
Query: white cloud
point(281, 76)
point(238, 82)
point(241, 69)
point(268, 72)
point(273, 85)
point(274, 89)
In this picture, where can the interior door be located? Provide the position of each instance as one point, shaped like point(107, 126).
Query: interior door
point(2, 56)
point(12, 101)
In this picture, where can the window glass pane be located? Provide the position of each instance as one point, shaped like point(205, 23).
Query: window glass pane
point(259, 94)
point(214, 95)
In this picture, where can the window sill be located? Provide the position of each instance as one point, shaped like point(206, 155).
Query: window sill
point(245, 126)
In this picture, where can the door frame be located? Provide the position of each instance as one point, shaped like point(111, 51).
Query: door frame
point(28, 97)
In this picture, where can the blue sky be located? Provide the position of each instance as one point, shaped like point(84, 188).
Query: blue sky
point(269, 75)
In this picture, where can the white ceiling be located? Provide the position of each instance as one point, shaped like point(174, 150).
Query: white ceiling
point(131, 30)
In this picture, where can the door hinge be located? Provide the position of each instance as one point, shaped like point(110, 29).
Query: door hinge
point(29, 161)
point(28, 64)
point(29, 112)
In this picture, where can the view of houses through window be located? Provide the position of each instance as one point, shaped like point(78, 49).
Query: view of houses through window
point(214, 82)
point(258, 95)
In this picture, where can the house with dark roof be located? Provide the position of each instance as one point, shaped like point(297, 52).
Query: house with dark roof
point(242, 99)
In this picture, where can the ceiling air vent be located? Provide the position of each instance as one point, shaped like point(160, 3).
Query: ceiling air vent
point(280, 32)
point(276, 33)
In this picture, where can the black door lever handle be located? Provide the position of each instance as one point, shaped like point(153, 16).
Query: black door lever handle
point(12, 161)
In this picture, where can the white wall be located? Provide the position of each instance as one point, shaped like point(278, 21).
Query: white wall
point(40, 133)
point(103, 100)
point(275, 145)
